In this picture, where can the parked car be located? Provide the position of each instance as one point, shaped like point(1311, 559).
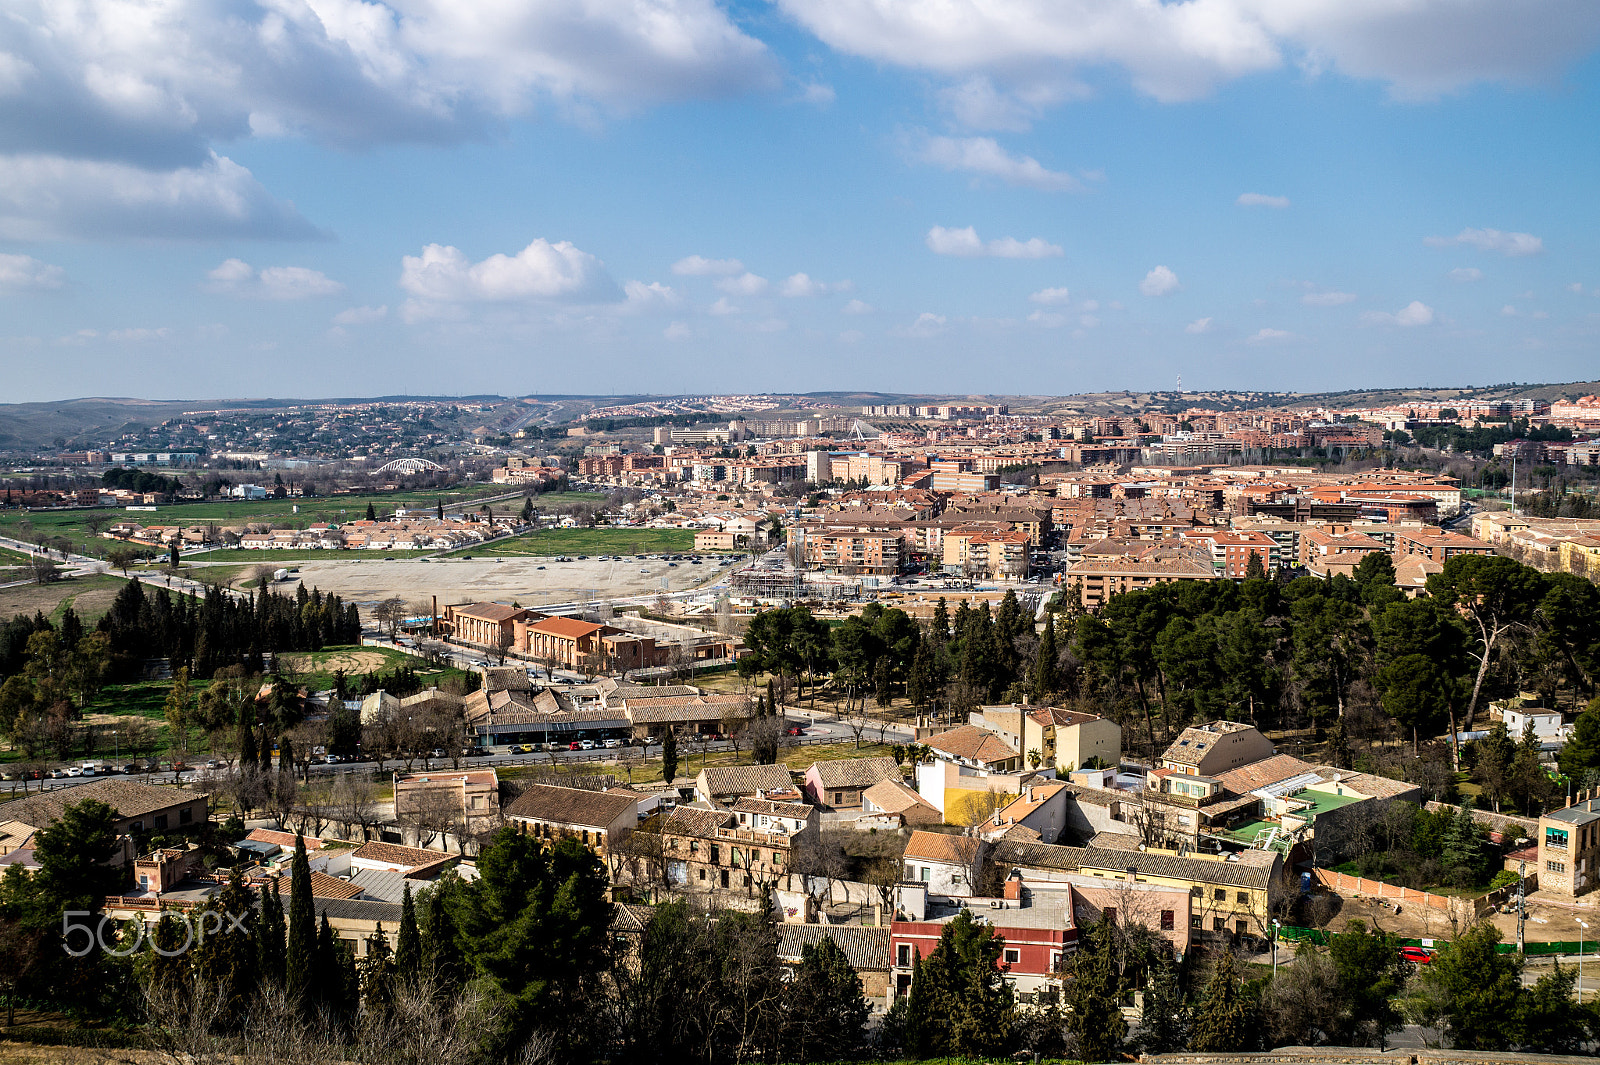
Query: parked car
point(57, 774)
point(1416, 955)
point(794, 730)
point(573, 746)
point(613, 744)
point(437, 752)
point(586, 745)
point(74, 771)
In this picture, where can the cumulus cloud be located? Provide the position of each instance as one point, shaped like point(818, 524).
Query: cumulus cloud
point(1327, 299)
point(1466, 274)
point(1257, 199)
point(677, 331)
point(235, 277)
point(1159, 282)
point(965, 242)
point(46, 197)
point(1411, 315)
point(799, 285)
point(978, 103)
point(927, 324)
point(361, 315)
point(700, 266)
point(817, 94)
point(724, 306)
point(746, 284)
point(1047, 319)
point(1181, 51)
point(641, 296)
point(150, 88)
point(1051, 296)
point(1198, 326)
point(984, 157)
point(1512, 244)
point(24, 273)
point(857, 307)
point(1269, 336)
point(443, 277)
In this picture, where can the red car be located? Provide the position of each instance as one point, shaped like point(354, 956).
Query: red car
point(574, 746)
point(1416, 955)
point(794, 730)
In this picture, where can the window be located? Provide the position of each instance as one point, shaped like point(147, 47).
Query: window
point(1013, 956)
point(1241, 927)
point(1218, 924)
point(716, 854)
point(185, 816)
point(1556, 837)
point(927, 874)
point(703, 876)
point(161, 821)
point(1242, 898)
point(1556, 867)
point(1167, 920)
point(1196, 922)
point(1219, 895)
point(902, 956)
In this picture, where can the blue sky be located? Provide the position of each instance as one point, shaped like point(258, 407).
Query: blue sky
point(338, 197)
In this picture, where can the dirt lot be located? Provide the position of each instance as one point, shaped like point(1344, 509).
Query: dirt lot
point(1547, 920)
point(91, 597)
point(349, 661)
point(456, 580)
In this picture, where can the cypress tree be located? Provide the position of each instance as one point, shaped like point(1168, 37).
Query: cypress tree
point(301, 959)
point(1096, 1021)
point(226, 959)
point(265, 765)
point(248, 757)
point(1044, 666)
point(1224, 1022)
point(442, 957)
point(669, 755)
point(372, 515)
point(327, 992)
point(270, 936)
point(407, 944)
point(377, 975)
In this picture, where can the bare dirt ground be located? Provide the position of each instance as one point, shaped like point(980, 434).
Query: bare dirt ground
point(349, 661)
point(456, 580)
point(1548, 920)
point(28, 598)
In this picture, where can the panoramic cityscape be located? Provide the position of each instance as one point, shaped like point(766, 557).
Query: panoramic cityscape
point(570, 532)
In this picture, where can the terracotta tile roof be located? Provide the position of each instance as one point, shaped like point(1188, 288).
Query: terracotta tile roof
point(1246, 872)
point(323, 886)
point(1055, 715)
point(571, 806)
point(495, 612)
point(856, 772)
point(128, 798)
point(939, 847)
point(898, 797)
point(566, 628)
point(771, 808)
point(282, 839)
point(744, 779)
point(1010, 852)
point(972, 743)
point(1033, 798)
point(694, 820)
point(1260, 774)
point(865, 947)
point(394, 854)
point(1369, 784)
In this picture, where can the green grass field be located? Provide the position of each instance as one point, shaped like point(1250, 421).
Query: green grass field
point(315, 669)
point(600, 541)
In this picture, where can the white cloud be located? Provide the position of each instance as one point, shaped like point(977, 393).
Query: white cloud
point(1048, 319)
point(927, 324)
point(965, 242)
point(138, 335)
point(443, 277)
point(24, 273)
point(1088, 321)
point(1050, 296)
point(361, 315)
point(1178, 51)
point(1576, 288)
point(700, 266)
point(45, 197)
point(817, 94)
point(1508, 311)
point(677, 331)
point(985, 157)
point(1327, 299)
point(235, 277)
point(1513, 244)
point(799, 285)
point(1269, 336)
point(641, 296)
point(746, 284)
point(857, 307)
point(1466, 274)
point(1198, 326)
point(1257, 199)
point(1411, 315)
point(722, 307)
point(1159, 282)
point(977, 103)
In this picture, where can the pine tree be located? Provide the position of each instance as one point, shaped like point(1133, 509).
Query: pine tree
point(828, 1009)
point(225, 959)
point(1096, 1021)
point(669, 754)
point(372, 514)
point(442, 959)
point(300, 960)
point(1044, 664)
point(1164, 1023)
point(270, 936)
point(407, 944)
point(919, 681)
point(377, 973)
point(326, 992)
point(1463, 847)
point(1225, 1021)
point(439, 509)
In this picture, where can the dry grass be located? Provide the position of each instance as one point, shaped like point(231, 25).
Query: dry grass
point(350, 661)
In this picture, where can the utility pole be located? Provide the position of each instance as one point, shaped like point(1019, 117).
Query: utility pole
point(1522, 904)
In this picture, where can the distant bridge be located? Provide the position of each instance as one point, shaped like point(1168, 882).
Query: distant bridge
point(408, 466)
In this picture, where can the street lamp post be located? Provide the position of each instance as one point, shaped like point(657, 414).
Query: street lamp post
point(1522, 890)
point(1275, 927)
point(116, 747)
point(1583, 927)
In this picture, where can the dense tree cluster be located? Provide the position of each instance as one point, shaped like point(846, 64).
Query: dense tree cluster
point(131, 480)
